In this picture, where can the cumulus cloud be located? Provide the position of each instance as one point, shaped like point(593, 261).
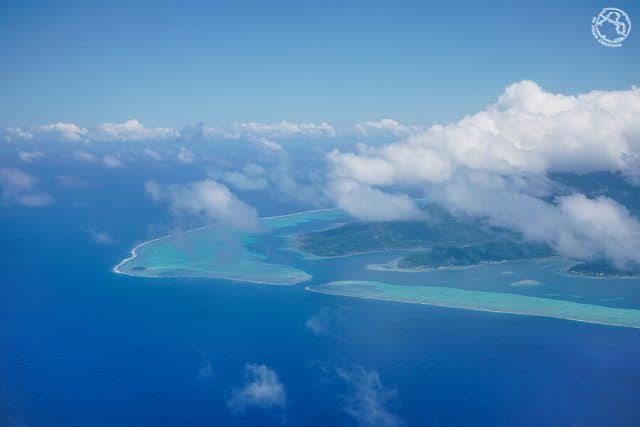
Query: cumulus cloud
point(83, 156)
point(15, 180)
point(134, 130)
point(112, 161)
point(371, 204)
point(251, 178)
point(369, 400)
point(131, 130)
point(185, 156)
point(244, 182)
point(575, 225)
point(63, 131)
point(262, 389)
point(385, 127)
point(100, 236)
point(496, 164)
point(152, 154)
point(205, 200)
point(527, 131)
point(30, 156)
point(20, 188)
point(69, 181)
point(267, 144)
point(328, 321)
point(319, 322)
point(282, 129)
point(17, 133)
point(35, 200)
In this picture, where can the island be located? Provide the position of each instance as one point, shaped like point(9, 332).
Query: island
point(603, 268)
point(454, 262)
point(440, 256)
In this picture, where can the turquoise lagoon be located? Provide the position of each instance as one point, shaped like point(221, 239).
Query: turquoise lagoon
point(536, 287)
point(218, 253)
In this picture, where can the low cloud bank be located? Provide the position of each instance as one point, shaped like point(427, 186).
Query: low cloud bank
point(20, 188)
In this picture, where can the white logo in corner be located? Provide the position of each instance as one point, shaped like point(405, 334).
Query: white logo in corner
point(611, 26)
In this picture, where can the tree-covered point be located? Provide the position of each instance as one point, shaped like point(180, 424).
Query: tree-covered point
point(459, 256)
point(603, 268)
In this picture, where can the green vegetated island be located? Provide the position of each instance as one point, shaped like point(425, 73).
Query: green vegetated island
point(431, 245)
point(443, 243)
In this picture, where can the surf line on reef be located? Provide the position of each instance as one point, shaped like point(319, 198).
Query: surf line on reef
point(134, 252)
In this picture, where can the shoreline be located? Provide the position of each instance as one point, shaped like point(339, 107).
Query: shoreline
point(392, 265)
point(133, 254)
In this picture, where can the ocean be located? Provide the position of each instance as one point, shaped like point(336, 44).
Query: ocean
point(82, 346)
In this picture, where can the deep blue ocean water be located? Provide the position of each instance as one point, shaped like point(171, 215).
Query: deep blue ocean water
point(82, 346)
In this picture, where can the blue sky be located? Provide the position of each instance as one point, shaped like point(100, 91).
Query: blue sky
point(176, 63)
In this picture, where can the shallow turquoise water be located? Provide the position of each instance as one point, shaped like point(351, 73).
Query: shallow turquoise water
point(485, 301)
point(539, 287)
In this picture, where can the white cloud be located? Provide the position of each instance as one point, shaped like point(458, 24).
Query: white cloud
point(253, 169)
point(30, 156)
point(603, 227)
point(152, 154)
point(83, 156)
point(185, 156)
point(370, 204)
point(267, 144)
point(319, 322)
point(285, 129)
point(130, 130)
point(262, 389)
point(245, 183)
point(514, 143)
point(35, 200)
point(17, 133)
point(385, 127)
point(282, 129)
point(100, 236)
point(251, 178)
point(328, 321)
point(134, 130)
point(20, 188)
point(15, 180)
point(69, 181)
point(206, 200)
point(369, 400)
point(527, 131)
point(576, 226)
point(112, 161)
point(63, 131)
